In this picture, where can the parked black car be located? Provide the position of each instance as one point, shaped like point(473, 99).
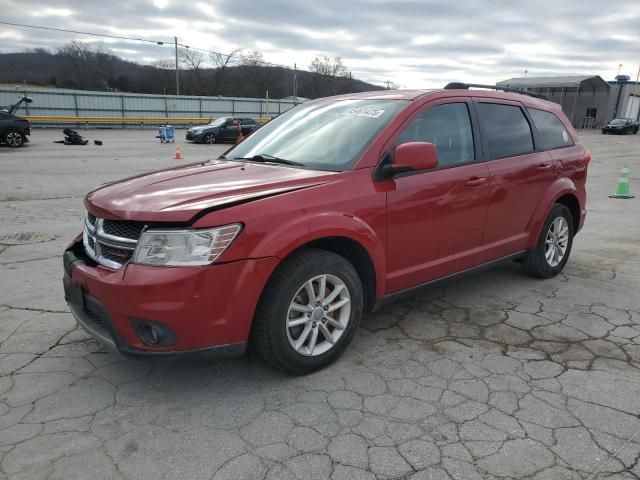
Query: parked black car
point(621, 126)
point(14, 130)
point(223, 129)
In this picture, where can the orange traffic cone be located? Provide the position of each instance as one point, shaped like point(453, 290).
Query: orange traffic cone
point(178, 155)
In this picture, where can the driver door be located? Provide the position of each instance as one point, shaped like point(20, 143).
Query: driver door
point(230, 129)
point(436, 218)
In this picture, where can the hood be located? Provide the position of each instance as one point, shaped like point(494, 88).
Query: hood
point(178, 194)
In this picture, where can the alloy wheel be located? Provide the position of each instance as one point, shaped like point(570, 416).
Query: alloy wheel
point(557, 241)
point(14, 139)
point(318, 315)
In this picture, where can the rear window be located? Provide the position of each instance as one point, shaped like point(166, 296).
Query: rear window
point(506, 130)
point(552, 132)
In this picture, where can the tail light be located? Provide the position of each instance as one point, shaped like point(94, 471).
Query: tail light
point(587, 157)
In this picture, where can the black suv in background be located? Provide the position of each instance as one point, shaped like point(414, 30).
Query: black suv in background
point(224, 129)
point(621, 126)
point(13, 129)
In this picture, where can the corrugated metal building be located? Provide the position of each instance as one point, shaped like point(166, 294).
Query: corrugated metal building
point(584, 99)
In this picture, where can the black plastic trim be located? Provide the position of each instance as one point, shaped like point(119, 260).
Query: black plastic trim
point(393, 296)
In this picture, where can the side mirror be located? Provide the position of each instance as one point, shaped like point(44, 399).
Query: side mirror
point(412, 156)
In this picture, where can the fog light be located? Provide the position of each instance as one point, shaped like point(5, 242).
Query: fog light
point(154, 334)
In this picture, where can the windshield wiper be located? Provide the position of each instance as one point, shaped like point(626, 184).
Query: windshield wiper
point(265, 157)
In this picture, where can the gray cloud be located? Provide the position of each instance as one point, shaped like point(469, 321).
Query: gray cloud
point(415, 43)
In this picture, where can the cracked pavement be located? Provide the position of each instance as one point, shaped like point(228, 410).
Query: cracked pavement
point(494, 376)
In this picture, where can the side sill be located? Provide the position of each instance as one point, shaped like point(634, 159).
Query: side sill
point(393, 296)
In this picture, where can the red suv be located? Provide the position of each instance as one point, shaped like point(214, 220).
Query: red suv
point(331, 209)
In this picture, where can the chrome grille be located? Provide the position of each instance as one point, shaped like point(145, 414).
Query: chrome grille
point(110, 242)
point(131, 230)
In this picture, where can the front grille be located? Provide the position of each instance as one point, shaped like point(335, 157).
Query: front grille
point(131, 230)
point(111, 242)
point(118, 255)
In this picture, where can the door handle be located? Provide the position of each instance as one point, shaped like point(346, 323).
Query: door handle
point(476, 181)
point(544, 166)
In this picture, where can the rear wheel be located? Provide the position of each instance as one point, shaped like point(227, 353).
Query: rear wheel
point(554, 245)
point(209, 138)
point(308, 312)
point(14, 138)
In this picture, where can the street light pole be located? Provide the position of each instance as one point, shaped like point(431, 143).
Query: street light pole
point(295, 81)
point(175, 43)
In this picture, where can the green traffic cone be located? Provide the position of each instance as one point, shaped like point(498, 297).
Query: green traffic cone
point(623, 185)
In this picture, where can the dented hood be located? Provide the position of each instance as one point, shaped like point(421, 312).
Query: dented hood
point(178, 194)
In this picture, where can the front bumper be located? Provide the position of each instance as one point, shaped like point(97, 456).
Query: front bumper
point(194, 137)
point(205, 308)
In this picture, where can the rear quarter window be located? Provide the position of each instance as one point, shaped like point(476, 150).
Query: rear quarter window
point(552, 131)
point(506, 130)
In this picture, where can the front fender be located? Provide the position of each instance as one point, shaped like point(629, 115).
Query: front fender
point(561, 186)
point(289, 236)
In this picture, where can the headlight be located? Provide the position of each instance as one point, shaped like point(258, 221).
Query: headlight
point(184, 247)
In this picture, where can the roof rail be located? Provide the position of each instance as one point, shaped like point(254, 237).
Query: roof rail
point(466, 86)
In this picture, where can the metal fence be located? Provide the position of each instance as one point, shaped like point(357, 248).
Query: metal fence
point(52, 106)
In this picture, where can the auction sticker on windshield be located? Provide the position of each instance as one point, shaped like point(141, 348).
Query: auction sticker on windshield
point(364, 112)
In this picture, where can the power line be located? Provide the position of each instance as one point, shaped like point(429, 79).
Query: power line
point(138, 39)
point(119, 37)
point(146, 40)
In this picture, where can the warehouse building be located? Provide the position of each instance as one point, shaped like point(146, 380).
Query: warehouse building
point(588, 101)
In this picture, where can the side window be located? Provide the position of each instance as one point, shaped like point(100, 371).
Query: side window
point(248, 121)
point(551, 130)
point(448, 127)
point(506, 129)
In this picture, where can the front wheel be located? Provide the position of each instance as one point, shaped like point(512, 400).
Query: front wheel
point(209, 138)
point(308, 312)
point(14, 138)
point(554, 245)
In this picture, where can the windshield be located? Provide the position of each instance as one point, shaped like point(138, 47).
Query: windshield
point(326, 135)
point(218, 123)
point(618, 121)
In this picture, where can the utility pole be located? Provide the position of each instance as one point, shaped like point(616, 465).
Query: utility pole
point(175, 43)
point(295, 81)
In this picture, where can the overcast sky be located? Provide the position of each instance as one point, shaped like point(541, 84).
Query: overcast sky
point(414, 43)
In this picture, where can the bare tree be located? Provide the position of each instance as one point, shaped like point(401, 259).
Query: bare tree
point(222, 63)
point(76, 55)
point(331, 76)
point(259, 73)
point(328, 67)
point(192, 61)
point(167, 68)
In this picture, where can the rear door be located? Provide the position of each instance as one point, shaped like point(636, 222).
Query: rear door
point(435, 218)
point(520, 174)
point(248, 125)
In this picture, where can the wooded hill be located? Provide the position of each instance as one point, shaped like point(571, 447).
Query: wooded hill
point(244, 75)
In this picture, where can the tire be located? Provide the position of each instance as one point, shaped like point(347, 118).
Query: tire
point(536, 262)
point(275, 341)
point(636, 130)
point(14, 138)
point(209, 138)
